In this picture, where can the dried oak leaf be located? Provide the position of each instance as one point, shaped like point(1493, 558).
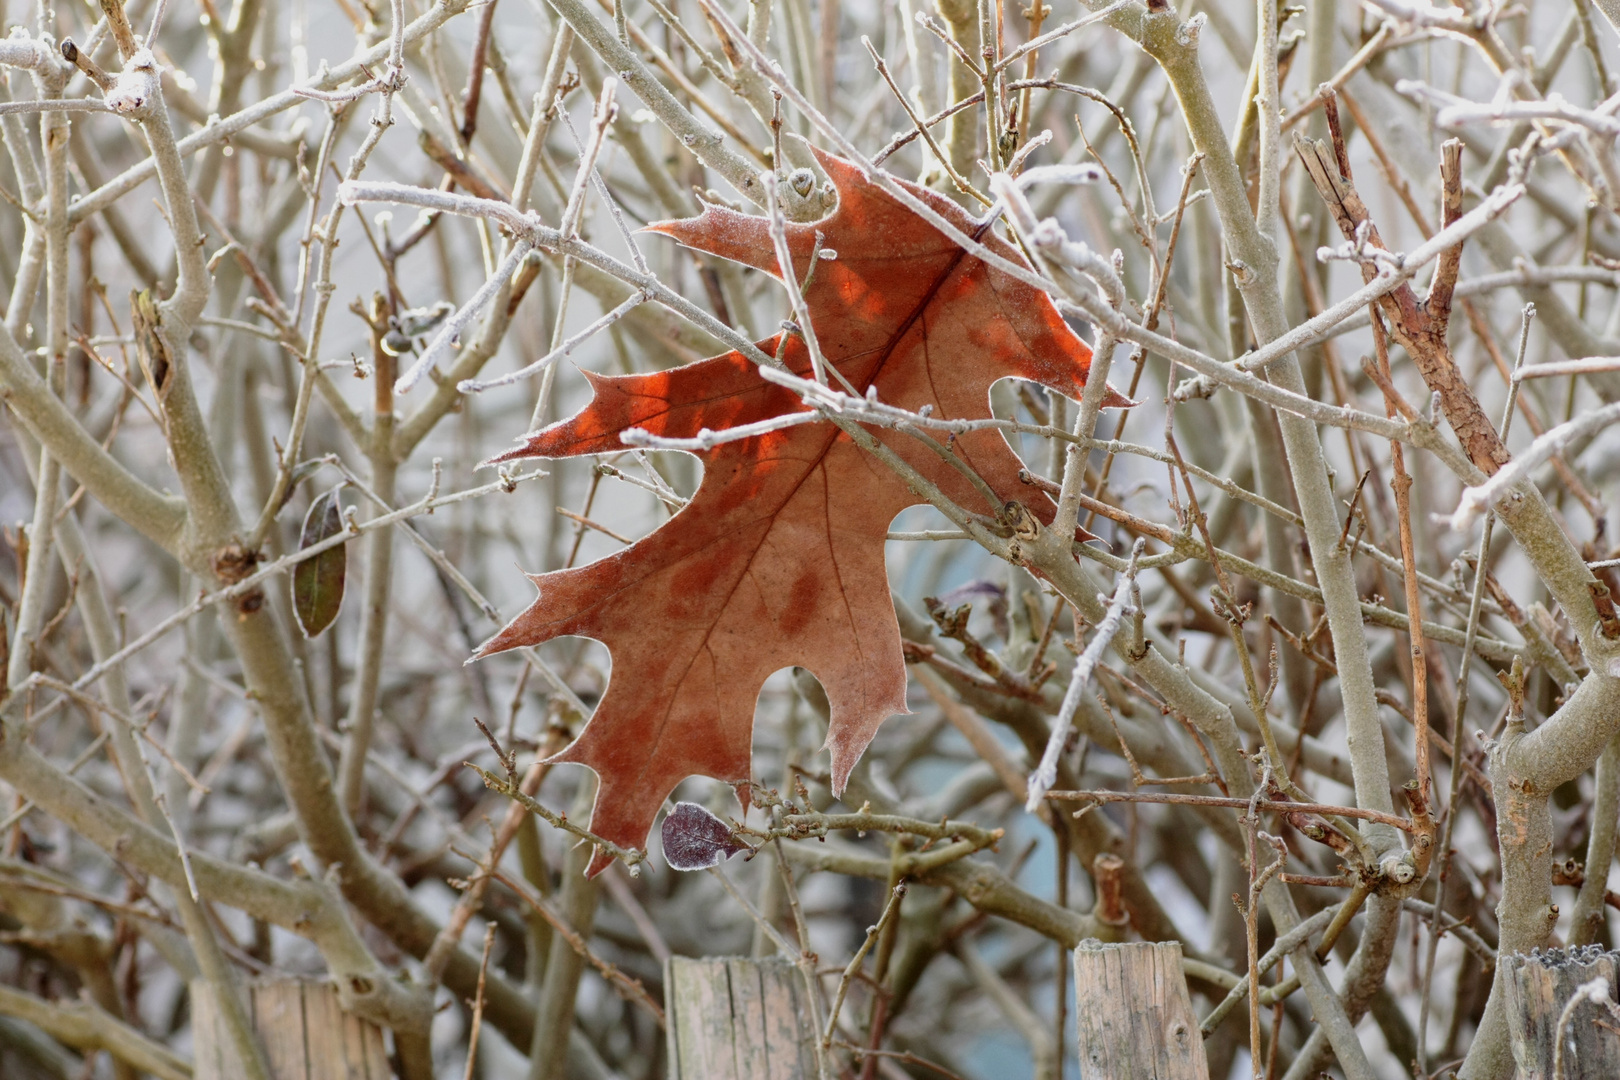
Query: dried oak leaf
point(778, 559)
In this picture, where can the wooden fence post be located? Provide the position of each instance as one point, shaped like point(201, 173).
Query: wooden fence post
point(306, 1035)
point(737, 1019)
point(1541, 1011)
point(1135, 1017)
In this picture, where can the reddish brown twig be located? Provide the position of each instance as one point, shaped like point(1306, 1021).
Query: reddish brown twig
point(1284, 807)
point(1418, 325)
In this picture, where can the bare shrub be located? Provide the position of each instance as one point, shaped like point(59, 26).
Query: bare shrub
point(1338, 687)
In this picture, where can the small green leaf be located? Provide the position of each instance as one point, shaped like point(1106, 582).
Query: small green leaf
point(317, 583)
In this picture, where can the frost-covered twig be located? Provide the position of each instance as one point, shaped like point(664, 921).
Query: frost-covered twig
point(450, 335)
point(706, 439)
point(1065, 30)
point(512, 789)
point(477, 386)
point(1587, 365)
point(255, 581)
point(1477, 498)
point(1457, 112)
point(1119, 606)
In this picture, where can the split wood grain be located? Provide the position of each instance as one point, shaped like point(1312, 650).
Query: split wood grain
point(1539, 988)
point(306, 1034)
point(738, 1019)
point(1135, 1018)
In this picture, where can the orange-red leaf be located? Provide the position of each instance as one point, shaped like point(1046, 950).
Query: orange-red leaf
point(778, 559)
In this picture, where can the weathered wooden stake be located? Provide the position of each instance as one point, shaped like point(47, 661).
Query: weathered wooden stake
point(1539, 991)
point(1135, 1018)
point(306, 1035)
point(737, 1019)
